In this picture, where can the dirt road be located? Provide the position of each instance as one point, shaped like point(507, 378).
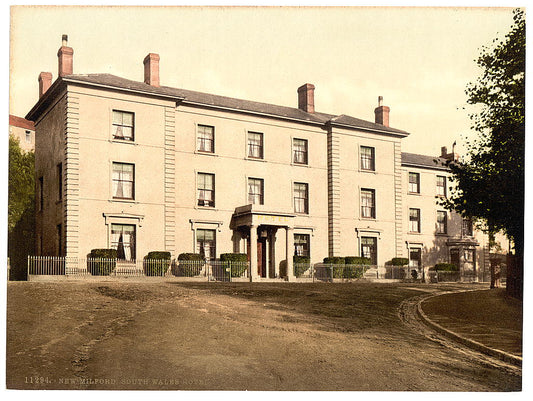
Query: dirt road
point(166, 335)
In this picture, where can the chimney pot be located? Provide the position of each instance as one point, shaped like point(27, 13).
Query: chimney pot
point(45, 81)
point(306, 98)
point(382, 113)
point(65, 58)
point(151, 69)
point(443, 151)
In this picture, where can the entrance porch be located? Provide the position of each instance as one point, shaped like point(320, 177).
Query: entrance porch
point(258, 232)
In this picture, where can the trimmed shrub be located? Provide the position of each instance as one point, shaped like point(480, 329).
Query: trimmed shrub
point(106, 264)
point(301, 264)
point(399, 261)
point(188, 269)
point(449, 267)
point(160, 264)
point(334, 260)
point(237, 263)
point(357, 260)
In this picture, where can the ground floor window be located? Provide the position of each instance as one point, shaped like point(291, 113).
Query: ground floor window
point(415, 258)
point(123, 240)
point(301, 245)
point(369, 249)
point(206, 243)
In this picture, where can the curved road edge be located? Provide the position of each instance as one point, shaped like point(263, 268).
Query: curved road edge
point(502, 355)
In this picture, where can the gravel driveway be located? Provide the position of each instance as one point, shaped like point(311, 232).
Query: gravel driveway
point(208, 336)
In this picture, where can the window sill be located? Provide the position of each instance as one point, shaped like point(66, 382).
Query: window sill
point(123, 200)
point(299, 164)
point(368, 218)
point(205, 153)
point(301, 214)
point(414, 233)
point(206, 208)
point(442, 234)
point(367, 171)
point(123, 141)
point(255, 159)
point(414, 193)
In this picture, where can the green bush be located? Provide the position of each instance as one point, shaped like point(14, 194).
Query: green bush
point(156, 263)
point(188, 270)
point(237, 263)
point(449, 267)
point(334, 260)
point(102, 267)
point(301, 264)
point(357, 260)
point(399, 262)
point(353, 271)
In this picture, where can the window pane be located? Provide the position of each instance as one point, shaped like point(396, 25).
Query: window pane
point(123, 180)
point(367, 158)
point(255, 145)
point(122, 125)
point(300, 151)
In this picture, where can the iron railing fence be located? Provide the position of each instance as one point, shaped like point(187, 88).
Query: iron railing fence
point(213, 270)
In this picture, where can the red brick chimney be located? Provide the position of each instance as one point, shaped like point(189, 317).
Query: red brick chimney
point(45, 81)
point(151, 69)
point(382, 113)
point(306, 98)
point(64, 55)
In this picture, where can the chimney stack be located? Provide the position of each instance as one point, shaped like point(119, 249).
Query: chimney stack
point(45, 81)
point(65, 57)
point(382, 113)
point(151, 69)
point(306, 98)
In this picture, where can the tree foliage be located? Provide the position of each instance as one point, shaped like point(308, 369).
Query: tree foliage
point(21, 208)
point(489, 182)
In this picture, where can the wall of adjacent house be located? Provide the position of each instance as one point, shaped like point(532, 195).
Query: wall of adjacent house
point(25, 136)
point(50, 142)
point(232, 167)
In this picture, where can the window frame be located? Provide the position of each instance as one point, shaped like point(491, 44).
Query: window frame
point(250, 146)
point(296, 198)
point(442, 188)
point(261, 194)
point(418, 220)
point(368, 159)
point(296, 151)
point(373, 249)
point(201, 202)
point(113, 125)
point(364, 207)
point(132, 244)
point(306, 248)
point(115, 163)
point(467, 227)
point(411, 183)
point(203, 126)
point(200, 243)
point(442, 226)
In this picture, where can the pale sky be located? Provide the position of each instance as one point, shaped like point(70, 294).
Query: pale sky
point(419, 59)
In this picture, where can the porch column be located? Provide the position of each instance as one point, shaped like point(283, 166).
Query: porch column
point(253, 254)
point(274, 262)
point(289, 252)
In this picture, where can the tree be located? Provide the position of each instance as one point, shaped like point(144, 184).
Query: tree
point(21, 208)
point(489, 181)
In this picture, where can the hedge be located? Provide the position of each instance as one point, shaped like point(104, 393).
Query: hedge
point(236, 263)
point(399, 261)
point(101, 267)
point(449, 267)
point(357, 260)
point(156, 269)
point(190, 256)
point(188, 270)
point(301, 264)
point(334, 260)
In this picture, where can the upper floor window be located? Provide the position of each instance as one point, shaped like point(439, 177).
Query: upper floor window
point(468, 228)
point(368, 158)
point(123, 179)
point(206, 139)
point(206, 189)
point(301, 198)
point(414, 220)
point(255, 191)
point(368, 203)
point(414, 183)
point(123, 125)
point(442, 222)
point(60, 181)
point(301, 245)
point(255, 145)
point(299, 150)
point(28, 136)
point(441, 185)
